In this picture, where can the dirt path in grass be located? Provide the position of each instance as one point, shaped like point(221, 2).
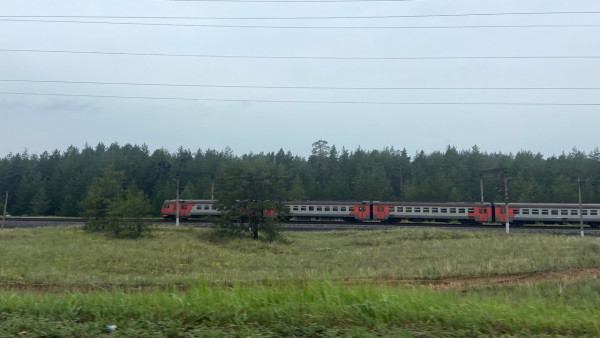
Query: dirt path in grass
point(568, 276)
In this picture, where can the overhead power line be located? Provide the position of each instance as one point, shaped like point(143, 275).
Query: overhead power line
point(295, 87)
point(294, 1)
point(305, 101)
point(298, 27)
point(307, 57)
point(295, 17)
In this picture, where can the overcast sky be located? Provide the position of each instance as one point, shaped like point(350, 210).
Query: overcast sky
point(237, 118)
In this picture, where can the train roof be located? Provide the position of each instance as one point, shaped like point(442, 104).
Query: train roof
point(181, 200)
point(441, 204)
point(553, 205)
point(430, 204)
point(326, 202)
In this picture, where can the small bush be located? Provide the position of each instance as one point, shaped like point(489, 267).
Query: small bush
point(119, 228)
point(272, 232)
point(595, 247)
point(269, 230)
point(225, 234)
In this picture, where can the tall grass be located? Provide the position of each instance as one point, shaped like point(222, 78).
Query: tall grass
point(186, 282)
point(316, 308)
point(188, 256)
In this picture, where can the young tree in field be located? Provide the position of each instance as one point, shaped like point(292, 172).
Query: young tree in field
point(126, 214)
point(39, 203)
point(104, 192)
point(109, 207)
point(250, 196)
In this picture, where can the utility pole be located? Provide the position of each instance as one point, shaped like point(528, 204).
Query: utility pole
point(4, 214)
point(580, 207)
point(212, 189)
point(495, 171)
point(401, 182)
point(498, 171)
point(506, 203)
point(481, 186)
point(177, 204)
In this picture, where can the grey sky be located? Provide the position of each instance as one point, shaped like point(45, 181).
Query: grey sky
point(39, 123)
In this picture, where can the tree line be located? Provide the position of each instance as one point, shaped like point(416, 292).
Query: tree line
point(58, 182)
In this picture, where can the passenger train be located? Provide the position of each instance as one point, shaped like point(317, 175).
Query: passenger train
point(402, 212)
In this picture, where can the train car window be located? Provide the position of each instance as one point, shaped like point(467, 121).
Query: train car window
point(516, 211)
point(471, 210)
point(295, 208)
point(392, 209)
point(408, 209)
point(535, 211)
point(554, 212)
point(444, 210)
point(198, 207)
point(327, 208)
point(461, 210)
point(525, 211)
point(380, 209)
point(206, 207)
point(434, 210)
point(564, 212)
point(311, 208)
point(335, 208)
point(594, 212)
point(319, 208)
point(453, 210)
point(303, 208)
point(400, 209)
point(351, 208)
point(584, 212)
point(544, 211)
point(574, 212)
point(425, 209)
point(166, 205)
point(417, 209)
point(184, 206)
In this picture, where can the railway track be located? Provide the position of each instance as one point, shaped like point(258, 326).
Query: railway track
point(35, 222)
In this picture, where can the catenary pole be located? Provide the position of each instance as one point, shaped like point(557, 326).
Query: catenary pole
point(506, 204)
point(177, 204)
point(481, 186)
point(212, 189)
point(4, 214)
point(580, 207)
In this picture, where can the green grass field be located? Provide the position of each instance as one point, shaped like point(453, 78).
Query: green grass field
point(186, 282)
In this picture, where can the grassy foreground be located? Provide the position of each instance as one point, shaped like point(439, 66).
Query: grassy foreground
point(188, 256)
point(316, 309)
point(183, 282)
